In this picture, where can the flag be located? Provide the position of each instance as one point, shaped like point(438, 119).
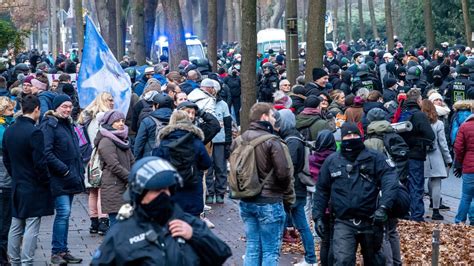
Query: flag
point(100, 72)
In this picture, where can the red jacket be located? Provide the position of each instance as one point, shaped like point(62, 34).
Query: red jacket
point(464, 146)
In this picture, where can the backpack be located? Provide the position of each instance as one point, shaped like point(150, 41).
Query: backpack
point(306, 131)
point(305, 176)
point(159, 126)
point(397, 150)
point(85, 146)
point(243, 179)
point(94, 170)
point(183, 157)
point(426, 144)
point(401, 205)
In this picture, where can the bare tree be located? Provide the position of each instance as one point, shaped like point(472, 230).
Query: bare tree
point(112, 30)
point(79, 25)
point(175, 32)
point(249, 54)
point(212, 33)
point(315, 42)
point(230, 21)
point(138, 31)
point(361, 20)
point(467, 22)
point(372, 19)
point(220, 21)
point(188, 20)
point(204, 14)
point(347, 26)
point(150, 11)
point(389, 24)
point(335, 18)
point(238, 19)
point(278, 10)
point(428, 19)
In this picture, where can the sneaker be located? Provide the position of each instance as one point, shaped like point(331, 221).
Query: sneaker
point(210, 200)
point(70, 258)
point(436, 216)
point(220, 199)
point(304, 263)
point(57, 259)
point(207, 208)
point(209, 224)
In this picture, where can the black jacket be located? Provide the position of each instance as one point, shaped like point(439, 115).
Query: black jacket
point(297, 153)
point(234, 85)
point(145, 140)
point(268, 85)
point(63, 155)
point(209, 125)
point(25, 161)
point(137, 109)
point(131, 242)
point(422, 133)
point(354, 196)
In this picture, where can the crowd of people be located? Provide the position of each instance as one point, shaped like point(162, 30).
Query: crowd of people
point(396, 122)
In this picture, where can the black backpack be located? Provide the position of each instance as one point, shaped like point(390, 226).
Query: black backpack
point(397, 150)
point(183, 157)
point(401, 205)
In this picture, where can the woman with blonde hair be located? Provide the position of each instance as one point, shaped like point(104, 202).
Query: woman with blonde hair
point(89, 119)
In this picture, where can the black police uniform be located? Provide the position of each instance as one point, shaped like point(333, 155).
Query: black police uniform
point(140, 241)
point(268, 86)
point(457, 90)
point(353, 189)
point(368, 82)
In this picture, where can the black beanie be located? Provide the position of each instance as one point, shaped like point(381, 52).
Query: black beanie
point(390, 82)
point(349, 128)
point(312, 101)
point(319, 73)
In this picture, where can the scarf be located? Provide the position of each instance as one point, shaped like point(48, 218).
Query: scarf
point(117, 136)
point(311, 111)
point(442, 110)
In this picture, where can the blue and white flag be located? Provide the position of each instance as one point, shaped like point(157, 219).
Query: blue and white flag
point(101, 72)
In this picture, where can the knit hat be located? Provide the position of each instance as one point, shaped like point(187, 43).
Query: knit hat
point(463, 71)
point(349, 100)
point(312, 101)
point(435, 96)
point(349, 128)
point(163, 101)
point(110, 117)
point(281, 98)
point(376, 114)
point(60, 99)
point(28, 79)
point(38, 84)
point(358, 102)
point(298, 89)
point(390, 82)
point(319, 73)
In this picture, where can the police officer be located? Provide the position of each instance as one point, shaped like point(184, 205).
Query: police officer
point(352, 179)
point(153, 230)
point(414, 78)
point(268, 84)
point(457, 89)
point(364, 79)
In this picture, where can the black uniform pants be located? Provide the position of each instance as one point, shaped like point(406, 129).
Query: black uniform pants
point(348, 234)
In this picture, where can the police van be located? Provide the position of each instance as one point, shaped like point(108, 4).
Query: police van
point(195, 48)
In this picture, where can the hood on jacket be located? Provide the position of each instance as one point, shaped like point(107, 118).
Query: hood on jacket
point(325, 141)
point(371, 105)
point(47, 94)
point(470, 117)
point(379, 128)
point(463, 105)
point(162, 114)
point(303, 120)
point(286, 121)
point(55, 117)
point(167, 130)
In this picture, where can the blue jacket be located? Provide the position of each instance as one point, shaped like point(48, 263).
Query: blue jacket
point(162, 79)
point(140, 86)
point(146, 135)
point(46, 101)
point(188, 86)
point(63, 155)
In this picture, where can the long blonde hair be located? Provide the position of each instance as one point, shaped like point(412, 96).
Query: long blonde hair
point(5, 103)
point(99, 104)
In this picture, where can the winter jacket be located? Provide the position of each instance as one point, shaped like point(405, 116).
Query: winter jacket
point(188, 198)
point(130, 114)
point(188, 86)
point(335, 108)
point(139, 86)
point(355, 197)
point(137, 109)
point(46, 101)
point(225, 120)
point(116, 161)
point(464, 146)
point(421, 135)
point(297, 102)
point(270, 155)
point(162, 79)
point(209, 125)
point(437, 160)
point(266, 87)
point(234, 85)
point(127, 243)
point(315, 123)
point(297, 154)
point(25, 160)
point(204, 100)
point(389, 95)
point(462, 112)
point(5, 178)
point(145, 140)
point(375, 132)
point(325, 145)
point(63, 155)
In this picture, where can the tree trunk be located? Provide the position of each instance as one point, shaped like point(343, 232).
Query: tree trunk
point(346, 21)
point(54, 28)
point(103, 19)
point(292, 62)
point(212, 32)
point(304, 20)
point(220, 21)
point(112, 31)
point(204, 15)
point(335, 18)
point(428, 19)
point(150, 11)
point(138, 31)
point(175, 32)
point(315, 44)
point(230, 21)
point(79, 26)
point(467, 22)
point(238, 20)
point(361, 20)
point(118, 27)
point(249, 64)
point(278, 13)
point(188, 16)
point(373, 22)
point(389, 24)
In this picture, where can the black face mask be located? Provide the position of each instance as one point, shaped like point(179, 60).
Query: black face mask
point(160, 209)
point(351, 148)
point(400, 77)
point(437, 82)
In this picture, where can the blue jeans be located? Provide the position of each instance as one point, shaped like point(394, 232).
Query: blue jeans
point(263, 224)
point(300, 222)
point(466, 199)
point(112, 218)
point(62, 205)
point(416, 187)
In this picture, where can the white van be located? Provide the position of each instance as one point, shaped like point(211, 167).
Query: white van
point(330, 45)
point(195, 49)
point(274, 39)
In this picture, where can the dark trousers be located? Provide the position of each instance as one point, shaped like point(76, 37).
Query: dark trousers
point(236, 103)
point(216, 177)
point(416, 187)
point(326, 254)
point(5, 222)
point(348, 234)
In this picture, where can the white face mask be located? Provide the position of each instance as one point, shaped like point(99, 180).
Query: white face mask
point(390, 60)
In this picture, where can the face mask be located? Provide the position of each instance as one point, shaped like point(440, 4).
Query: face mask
point(390, 60)
point(400, 77)
point(160, 209)
point(351, 148)
point(437, 82)
point(330, 58)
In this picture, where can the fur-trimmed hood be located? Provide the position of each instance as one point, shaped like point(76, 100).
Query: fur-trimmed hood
point(55, 117)
point(462, 105)
point(167, 130)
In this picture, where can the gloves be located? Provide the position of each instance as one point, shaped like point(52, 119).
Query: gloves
point(320, 227)
point(457, 172)
point(380, 216)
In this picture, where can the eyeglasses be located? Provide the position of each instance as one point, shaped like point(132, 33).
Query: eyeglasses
point(286, 85)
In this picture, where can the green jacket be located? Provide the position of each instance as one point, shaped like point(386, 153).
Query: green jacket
point(315, 123)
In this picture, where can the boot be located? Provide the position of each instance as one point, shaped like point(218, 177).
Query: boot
point(103, 226)
point(287, 238)
point(94, 225)
point(436, 216)
point(442, 206)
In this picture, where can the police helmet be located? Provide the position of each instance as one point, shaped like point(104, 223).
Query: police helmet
point(413, 73)
point(22, 67)
point(362, 69)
